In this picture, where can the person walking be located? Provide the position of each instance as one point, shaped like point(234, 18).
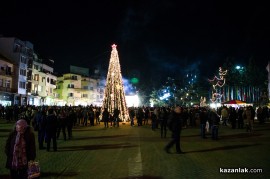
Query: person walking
point(20, 149)
point(175, 125)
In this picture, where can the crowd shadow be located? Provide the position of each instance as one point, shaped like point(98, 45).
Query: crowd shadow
point(57, 175)
point(99, 137)
point(240, 135)
point(229, 147)
point(95, 147)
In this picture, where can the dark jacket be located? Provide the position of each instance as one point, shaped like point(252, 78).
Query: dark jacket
point(29, 138)
point(51, 124)
point(175, 121)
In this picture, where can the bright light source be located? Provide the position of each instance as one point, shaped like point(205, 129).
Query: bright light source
point(237, 67)
point(166, 95)
point(215, 105)
point(132, 101)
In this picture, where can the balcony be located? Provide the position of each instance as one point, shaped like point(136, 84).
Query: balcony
point(34, 93)
point(4, 73)
point(6, 89)
point(70, 78)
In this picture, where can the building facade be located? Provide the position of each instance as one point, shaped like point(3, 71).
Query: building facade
point(6, 80)
point(74, 90)
point(19, 53)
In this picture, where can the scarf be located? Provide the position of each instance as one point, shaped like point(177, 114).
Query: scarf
point(19, 159)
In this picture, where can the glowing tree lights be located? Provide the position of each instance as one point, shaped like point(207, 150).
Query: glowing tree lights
point(218, 82)
point(114, 95)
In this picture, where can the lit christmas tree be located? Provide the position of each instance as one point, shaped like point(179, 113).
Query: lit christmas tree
point(114, 96)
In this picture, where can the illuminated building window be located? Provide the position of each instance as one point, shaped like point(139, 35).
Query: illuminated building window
point(22, 84)
point(23, 72)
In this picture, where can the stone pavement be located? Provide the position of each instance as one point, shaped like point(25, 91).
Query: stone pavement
point(137, 152)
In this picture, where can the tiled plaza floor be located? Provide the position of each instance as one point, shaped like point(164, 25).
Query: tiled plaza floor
point(137, 152)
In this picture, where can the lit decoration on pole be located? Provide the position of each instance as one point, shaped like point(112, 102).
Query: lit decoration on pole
point(114, 95)
point(218, 82)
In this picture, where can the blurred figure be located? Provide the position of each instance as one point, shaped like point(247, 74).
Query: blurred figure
point(203, 120)
point(106, 117)
point(20, 148)
point(51, 129)
point(214, 120)
point(175, 121)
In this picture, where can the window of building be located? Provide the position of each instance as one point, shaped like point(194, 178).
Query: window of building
point(91, 88)
point(70, 85)
point(70, 94)
point(23, 60)
point(74, 77)
point(8, 70)
point(53, 82)
point(40, 88)
point(85, 87)
point(48, 80)
point(22, 84)
point(17, 48)
point(36, 77)
point(36, 67)
point(43, 79)
point(22, 72)
point(84, 95)
point(1, 82)
point(8, 83)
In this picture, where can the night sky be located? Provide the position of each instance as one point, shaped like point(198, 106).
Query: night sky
point(155, 38)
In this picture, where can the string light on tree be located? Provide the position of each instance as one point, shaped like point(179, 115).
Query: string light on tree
point(114, 95)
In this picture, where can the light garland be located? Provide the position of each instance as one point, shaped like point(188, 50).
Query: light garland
point(220, 82)
point(114, 94)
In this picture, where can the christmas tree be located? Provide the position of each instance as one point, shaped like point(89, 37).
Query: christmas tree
point(114, 96)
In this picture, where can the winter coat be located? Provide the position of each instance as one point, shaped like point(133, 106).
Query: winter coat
point(29, 138)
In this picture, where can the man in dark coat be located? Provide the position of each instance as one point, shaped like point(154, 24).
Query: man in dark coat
point(51, 129)
point(175, 121)
point(20, 148)
point(105, 117)
point(203, 120)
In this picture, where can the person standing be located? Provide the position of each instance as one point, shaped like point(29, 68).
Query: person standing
point(203, 120)
point(175, 121)
point(105, 117)
point(20, 148)
point(51, 129)
point(39, 123)
point(214, 120)
point(224, 115)
point(163, 122)
point(116, 113)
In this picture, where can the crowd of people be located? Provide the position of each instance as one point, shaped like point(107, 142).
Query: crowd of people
point(50, 121)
